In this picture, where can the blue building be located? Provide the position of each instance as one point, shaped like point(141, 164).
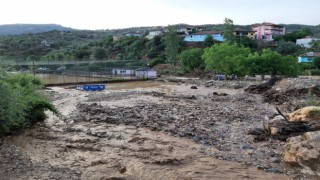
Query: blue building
point(308, 57)
point(201, 36)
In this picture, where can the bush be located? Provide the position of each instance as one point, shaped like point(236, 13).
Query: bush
point(315, 72)
point(21, 103)
point(156, 62)
point(311, 100)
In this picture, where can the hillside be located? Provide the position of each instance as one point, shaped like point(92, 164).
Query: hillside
point(16, 29)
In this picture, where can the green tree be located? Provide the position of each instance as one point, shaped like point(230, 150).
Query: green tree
point(248, 42)
point(271, 62)
point(286, 48)
point(156, 47)
point(208, 41)
point(171, 45)
point(225, 58)
point(99, 53)
point(228, 32)
point(191, 59)
point(316, 62)
point(315, 45)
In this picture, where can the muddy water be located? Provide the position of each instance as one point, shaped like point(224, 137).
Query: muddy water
point(59, 79)
point(131, 85)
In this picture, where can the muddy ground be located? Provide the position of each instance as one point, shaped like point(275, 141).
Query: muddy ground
point(162, 131)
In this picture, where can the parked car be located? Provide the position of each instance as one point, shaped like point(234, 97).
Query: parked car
point(60, 70)
point(42, 70)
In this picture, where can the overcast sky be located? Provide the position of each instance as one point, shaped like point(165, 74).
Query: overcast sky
point(111, 14)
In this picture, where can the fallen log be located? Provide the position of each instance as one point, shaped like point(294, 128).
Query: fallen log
point(281, 128)
point(264, 87)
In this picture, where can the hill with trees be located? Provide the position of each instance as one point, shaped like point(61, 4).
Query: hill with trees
point(16, 29)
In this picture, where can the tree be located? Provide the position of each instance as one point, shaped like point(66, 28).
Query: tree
point(99, 53)
point(248, 42)
point(156, 47)
point(208, 41)
point(225, 58)
point(316, 62)
point(228, 32)
point(171, 45)
point(191, 59)
point(286, 48)
point(315, 45)
point(271, 62)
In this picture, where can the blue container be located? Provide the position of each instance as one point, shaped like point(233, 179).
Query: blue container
point(92, 87)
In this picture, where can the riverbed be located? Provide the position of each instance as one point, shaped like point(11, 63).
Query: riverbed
point(146, 130)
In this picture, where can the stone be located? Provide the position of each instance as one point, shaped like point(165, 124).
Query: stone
point(308, 113)
point(303, 152)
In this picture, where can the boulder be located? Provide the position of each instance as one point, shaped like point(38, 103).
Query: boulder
point(308, 113)
point(303, 152)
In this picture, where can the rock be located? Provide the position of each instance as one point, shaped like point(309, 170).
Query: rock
point(304, 152)
point(305, 114)
point(194, 87)
point(275, 160)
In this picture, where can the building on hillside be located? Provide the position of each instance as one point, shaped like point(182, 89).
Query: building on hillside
point(136, 34)
point(306, 42)
point(116, 37)
point(201, 36)
point(184, 29)
point(154, 33)
point(123, 72)
point(308, 57)
point(146, 73)
point(240, 32)
point(266, 31)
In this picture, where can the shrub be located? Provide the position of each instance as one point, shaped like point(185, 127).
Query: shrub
point(156, 62)
point(21, 103)
point(311, 100)
point(315, 72)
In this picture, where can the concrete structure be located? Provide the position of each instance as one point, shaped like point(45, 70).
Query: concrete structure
point(308, 57)
point(136, 34)
point(266, 31)
point(123, 72)
point(152, 34)
point(184, 29)
point(306, 42)
point(146, 73)
point(201, 36)
point(241, 32)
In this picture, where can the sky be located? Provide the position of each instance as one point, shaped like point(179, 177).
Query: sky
point(114, 14)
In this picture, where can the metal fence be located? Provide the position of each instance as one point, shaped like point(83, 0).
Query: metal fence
point(59, 72)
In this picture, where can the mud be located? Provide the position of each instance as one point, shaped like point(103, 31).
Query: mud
point(135, 134)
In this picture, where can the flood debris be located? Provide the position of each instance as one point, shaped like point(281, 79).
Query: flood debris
point(169, 131)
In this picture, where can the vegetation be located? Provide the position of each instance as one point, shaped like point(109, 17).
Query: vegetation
point(168, 48)
point(208, 41)
point(191, 60)
point(271, 62)
point(225, 58)
point(228, 32)
point(172, 45)
point(293, 36)
point(21, 103)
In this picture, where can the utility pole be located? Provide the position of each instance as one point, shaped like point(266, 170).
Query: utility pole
point(34, 72)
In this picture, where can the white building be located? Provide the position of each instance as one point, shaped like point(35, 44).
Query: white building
point(146, 73)
point(123, 72)
point(306, 42)
point(152, 34)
